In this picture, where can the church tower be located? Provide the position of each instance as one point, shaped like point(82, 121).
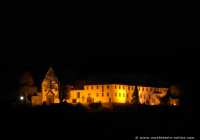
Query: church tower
point(50, 88)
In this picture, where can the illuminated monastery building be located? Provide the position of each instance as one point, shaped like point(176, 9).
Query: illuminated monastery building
point(116, 93)
point(99, 93)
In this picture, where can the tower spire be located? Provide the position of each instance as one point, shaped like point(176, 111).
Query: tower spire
point(50, 75)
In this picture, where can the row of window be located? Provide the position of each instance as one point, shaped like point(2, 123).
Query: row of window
point(121, 94)
point(98, 87)
point(99, 94)
point(102, 94)
point(121, 87)
point(78, 94)
point(148, 89)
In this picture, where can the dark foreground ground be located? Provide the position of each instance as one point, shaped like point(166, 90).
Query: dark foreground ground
point(68, 122)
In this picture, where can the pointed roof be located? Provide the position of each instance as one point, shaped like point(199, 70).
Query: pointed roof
point(51, 75)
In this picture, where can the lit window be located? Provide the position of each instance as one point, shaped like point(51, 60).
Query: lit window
point(107, 87)
point(107, 94)
point(128, 88)
point(123, 87)
point(115, 87)
point(91, 87)
point(119, 87)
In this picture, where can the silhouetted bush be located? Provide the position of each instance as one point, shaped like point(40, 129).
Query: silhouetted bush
point(79, 107)
point(95, 106)
point(44, 103)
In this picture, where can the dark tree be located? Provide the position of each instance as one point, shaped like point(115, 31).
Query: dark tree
point(67, 90)
point(26, 79)
point(61, 91)
point(135, 96)
point(165, 100)
point(27, 89)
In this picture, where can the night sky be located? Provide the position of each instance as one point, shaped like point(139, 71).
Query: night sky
point(149, 46)
point(75, 51)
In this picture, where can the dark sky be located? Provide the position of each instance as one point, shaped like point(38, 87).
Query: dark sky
point(77, 49)
point(174, 64)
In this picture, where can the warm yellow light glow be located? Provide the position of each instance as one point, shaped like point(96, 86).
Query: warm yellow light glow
point(103, 93)
point(36, 100)
point(151, 95)
point(50, 88)
point(174, 102)
point(110, 93)
point(121, 98)
point(117, 93)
